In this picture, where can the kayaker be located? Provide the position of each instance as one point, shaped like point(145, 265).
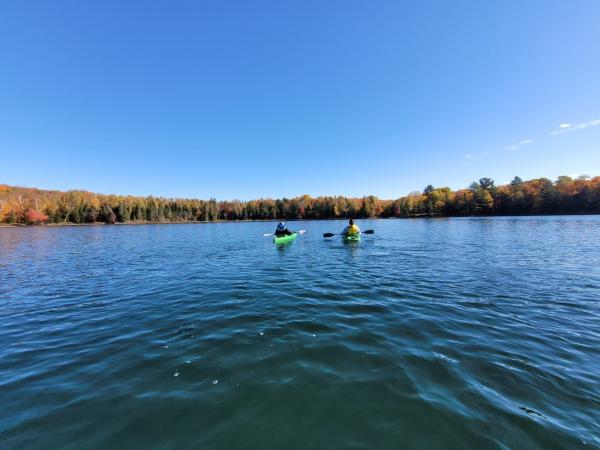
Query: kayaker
point(282, 230)
point(351, 229)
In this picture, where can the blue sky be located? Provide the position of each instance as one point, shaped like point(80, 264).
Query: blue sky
point(268, 99)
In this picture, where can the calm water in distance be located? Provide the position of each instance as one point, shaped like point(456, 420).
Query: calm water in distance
point(433, 333)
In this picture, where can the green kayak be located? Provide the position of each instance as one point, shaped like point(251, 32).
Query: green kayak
point(284, 239)
point(351, 237)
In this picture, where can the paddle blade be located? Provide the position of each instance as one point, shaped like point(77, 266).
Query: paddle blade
point(369, 232)
point(268, 234)
point(328, 235)
point(301, 231)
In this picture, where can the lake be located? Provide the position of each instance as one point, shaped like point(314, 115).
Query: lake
point(465, 333)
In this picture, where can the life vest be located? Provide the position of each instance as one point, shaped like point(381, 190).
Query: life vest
point(352, 229)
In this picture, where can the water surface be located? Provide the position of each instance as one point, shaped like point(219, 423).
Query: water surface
point(432, 333)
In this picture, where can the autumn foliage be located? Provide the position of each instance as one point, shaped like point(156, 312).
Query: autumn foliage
point(539, 196)
point(33, 217)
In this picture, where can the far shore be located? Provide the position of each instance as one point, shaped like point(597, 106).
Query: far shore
point(194, 222)
point(97, 224)
point(198, 222)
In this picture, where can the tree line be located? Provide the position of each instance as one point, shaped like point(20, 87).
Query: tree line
point(565, 195)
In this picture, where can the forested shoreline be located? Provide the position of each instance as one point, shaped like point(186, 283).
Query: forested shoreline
point(19, 205)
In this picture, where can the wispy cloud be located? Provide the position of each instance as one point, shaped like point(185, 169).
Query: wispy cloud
point(479, 156)
point(567, 127)
point(564, 127)
point(518, 145)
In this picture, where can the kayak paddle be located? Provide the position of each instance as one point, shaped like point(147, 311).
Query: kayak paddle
point(335, 234)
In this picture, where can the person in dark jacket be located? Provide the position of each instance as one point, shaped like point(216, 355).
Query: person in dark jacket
point(282, 230)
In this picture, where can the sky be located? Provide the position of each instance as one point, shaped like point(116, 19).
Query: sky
point(241, 100)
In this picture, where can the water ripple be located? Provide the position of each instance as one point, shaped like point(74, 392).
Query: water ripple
point(450, 333)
